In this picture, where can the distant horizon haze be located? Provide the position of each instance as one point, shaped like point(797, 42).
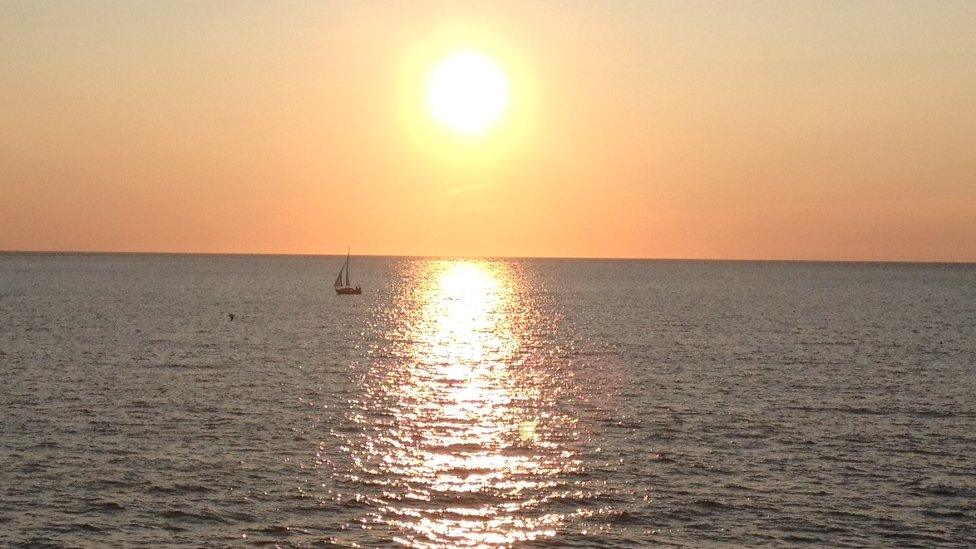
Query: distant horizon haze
point(476, 257)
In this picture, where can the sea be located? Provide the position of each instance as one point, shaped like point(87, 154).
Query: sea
point(482, 402)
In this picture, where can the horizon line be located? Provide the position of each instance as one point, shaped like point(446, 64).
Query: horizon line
point(449, 256)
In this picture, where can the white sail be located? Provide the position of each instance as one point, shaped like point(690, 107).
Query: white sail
point(338, 281)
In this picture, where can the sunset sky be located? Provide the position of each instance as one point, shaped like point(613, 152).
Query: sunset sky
point(765, 130)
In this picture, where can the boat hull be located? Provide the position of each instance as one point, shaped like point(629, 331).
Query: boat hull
point(348, 290)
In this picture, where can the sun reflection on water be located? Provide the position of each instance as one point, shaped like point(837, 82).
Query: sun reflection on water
point(455, 427)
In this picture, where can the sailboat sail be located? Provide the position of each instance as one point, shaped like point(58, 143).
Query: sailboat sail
point(342, 286)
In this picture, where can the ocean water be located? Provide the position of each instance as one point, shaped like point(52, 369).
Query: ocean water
point(562, 403)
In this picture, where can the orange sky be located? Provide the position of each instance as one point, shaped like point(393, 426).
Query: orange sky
point(635, 129)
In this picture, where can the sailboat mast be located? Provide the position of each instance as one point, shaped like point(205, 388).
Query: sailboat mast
point(347, 267)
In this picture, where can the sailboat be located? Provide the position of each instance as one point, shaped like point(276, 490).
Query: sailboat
point(343, 287)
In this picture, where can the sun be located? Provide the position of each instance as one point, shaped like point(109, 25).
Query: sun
point(467, 92)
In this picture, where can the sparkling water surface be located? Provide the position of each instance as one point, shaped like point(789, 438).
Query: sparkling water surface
point(480, 402)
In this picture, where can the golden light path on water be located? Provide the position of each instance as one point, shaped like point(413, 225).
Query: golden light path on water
point(457, 424)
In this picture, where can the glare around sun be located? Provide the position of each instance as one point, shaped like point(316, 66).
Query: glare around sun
point(467, 91)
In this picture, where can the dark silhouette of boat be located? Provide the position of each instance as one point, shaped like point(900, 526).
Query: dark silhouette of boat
point(343, 287)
